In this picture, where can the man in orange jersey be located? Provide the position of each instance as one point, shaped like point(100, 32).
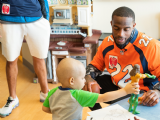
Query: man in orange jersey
point(119, 52)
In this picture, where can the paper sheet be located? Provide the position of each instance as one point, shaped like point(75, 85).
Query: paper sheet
point(114, 112)
point(90, 118)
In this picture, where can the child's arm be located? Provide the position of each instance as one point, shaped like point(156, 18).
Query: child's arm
point(109, 96)
point(46, 109)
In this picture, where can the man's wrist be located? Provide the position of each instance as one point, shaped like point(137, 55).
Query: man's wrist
point(158, 92)
point(88, 75)
point(157, 86)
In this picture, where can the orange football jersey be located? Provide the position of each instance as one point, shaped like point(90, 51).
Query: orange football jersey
point(142, 50)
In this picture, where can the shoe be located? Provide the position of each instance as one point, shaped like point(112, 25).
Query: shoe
point(10, 105)
point(43, 96)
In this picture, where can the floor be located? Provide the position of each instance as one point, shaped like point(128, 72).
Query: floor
point(28, 94)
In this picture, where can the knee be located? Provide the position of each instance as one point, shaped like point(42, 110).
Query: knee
point(11, 63)
point(38, 60)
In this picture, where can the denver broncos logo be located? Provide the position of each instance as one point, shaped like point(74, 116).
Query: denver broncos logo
point(113, 61)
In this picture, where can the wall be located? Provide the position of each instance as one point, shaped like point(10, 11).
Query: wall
point(147, 15)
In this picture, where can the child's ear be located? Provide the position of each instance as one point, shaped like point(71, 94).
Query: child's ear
point(71, 81)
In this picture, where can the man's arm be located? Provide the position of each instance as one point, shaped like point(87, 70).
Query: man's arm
point(95, 68)
point(44, 8)
point(157, 86)
point(93, 71)
point(91, 74)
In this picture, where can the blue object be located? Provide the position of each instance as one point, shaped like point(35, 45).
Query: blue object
point(18, 19)
point(149, 113)
point(30, 8)
point(23, 11)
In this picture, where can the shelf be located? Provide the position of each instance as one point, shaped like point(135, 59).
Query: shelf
point(70, 21)
point(84, 5)
point(84, 26)
point(72, 5)
point(65, 36)
point(94, 38)
point(61, 7)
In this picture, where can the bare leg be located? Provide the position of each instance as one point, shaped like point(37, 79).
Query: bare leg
point(40, 69)
point(12, 72)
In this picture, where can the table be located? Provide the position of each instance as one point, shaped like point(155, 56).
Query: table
point(149, 113)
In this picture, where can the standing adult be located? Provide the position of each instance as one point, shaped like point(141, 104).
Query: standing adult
point(24, 19)
point(119, 52)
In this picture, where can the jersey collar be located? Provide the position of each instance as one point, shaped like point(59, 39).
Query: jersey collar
point(60, 87)
point(135, 36)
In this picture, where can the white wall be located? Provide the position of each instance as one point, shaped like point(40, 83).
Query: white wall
point(147, 15)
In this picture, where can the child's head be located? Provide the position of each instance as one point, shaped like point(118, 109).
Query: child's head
point(71, 73)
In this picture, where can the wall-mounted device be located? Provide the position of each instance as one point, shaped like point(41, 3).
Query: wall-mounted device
point(62, 14)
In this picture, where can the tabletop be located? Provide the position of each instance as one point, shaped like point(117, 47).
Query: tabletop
point(147, 112)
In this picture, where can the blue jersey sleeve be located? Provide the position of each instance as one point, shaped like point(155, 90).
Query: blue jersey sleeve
point(44, 8)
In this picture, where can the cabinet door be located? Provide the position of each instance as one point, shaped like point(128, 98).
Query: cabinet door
point(83, 16)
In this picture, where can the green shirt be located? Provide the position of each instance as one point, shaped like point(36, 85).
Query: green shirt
point(67, 104)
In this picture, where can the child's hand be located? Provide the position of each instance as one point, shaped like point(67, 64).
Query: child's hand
point(132, 88)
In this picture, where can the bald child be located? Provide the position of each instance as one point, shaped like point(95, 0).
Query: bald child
point(66, 102)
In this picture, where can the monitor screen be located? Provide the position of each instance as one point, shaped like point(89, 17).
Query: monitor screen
point(59, 14)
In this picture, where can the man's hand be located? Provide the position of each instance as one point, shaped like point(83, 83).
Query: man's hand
point(89, 82)
point(151, 97)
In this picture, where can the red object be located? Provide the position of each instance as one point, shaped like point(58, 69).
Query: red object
point(113, 61)
point(95, 88)
point(5, 9)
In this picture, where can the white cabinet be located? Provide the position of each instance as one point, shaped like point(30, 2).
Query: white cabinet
point(84, 14)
